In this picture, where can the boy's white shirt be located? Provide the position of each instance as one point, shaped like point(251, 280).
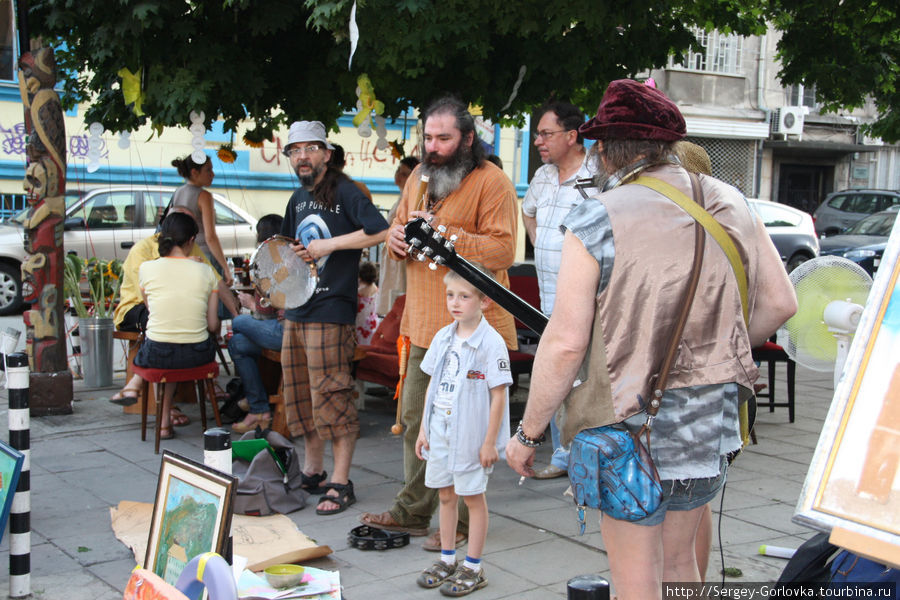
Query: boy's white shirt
point(484, 364)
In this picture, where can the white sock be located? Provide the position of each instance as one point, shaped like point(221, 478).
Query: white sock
point(473, 564)
point(448, 557)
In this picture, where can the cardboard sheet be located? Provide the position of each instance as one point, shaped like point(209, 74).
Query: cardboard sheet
point(263, 540)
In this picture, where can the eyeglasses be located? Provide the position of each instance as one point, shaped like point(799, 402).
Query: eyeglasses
point(547, 134)
point(301, 150)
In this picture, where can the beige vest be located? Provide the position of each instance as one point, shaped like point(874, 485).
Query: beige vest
point(636, 311)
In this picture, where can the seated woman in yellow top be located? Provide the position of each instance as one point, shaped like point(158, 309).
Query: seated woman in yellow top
point(180, 295)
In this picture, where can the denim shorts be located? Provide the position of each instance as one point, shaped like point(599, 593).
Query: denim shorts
point(686, 494)
point(437, 475)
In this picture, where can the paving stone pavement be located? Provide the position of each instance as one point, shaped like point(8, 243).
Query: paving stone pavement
point(84, 463)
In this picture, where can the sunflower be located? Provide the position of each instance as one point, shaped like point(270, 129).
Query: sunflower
point(255, 137)
point(226, 153)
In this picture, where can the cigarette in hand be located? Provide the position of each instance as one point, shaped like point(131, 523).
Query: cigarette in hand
point(521, 480)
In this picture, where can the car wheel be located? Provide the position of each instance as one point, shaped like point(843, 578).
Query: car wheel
point(795, 261)
point(10, 289)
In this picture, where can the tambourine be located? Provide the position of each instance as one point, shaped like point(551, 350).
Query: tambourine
point(369, 538)
point(281, 277)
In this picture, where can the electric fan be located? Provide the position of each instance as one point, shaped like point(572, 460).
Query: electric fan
point(831, 293)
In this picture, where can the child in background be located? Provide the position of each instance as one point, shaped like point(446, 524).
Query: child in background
point(464, 428)
point(366, 318)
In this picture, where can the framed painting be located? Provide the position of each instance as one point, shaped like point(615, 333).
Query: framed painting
point(191, 515)
point(852, 488)
point(10, 466)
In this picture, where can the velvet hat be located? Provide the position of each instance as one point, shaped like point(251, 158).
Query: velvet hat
point(631, 110)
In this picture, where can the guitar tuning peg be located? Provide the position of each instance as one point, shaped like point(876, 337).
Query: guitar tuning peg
point(432, 266)
point(428, 251)
point(454, 237)
point(420, 258)
point(438, 260)
point(442, 228)
point(415, 242)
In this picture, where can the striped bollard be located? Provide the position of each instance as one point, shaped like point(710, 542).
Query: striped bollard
point(217, 454)
point(20, 512)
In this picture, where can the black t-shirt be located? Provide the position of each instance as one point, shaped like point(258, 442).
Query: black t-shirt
point(334, 300)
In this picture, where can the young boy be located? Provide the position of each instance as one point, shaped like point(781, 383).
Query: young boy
point(465, 426)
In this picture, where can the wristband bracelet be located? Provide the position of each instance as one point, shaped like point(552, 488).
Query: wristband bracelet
point(527, 441)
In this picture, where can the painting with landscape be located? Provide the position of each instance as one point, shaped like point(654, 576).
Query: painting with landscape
point(191, 515)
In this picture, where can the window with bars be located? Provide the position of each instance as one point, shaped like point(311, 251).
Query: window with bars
point(733, 161)
point(716, 53)
point(800, 95)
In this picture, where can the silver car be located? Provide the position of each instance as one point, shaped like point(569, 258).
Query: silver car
point(791, 231)
point(106, 222)
point(840, 210)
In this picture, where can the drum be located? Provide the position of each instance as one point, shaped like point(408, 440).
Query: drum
point(280, 276)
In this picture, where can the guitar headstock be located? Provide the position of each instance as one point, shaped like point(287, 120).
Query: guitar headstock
point(427, 242)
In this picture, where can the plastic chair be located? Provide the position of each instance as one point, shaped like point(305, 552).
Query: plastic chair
point(204, 376)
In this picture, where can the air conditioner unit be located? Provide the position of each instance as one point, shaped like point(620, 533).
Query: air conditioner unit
point(788, 120)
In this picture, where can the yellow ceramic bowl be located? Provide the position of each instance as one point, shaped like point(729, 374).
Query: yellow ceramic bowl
point(284, 576)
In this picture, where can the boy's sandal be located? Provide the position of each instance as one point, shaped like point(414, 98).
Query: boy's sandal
point(312, 484)
point(166, 433)
point(436, 574)
point(463, 582)
point(345, 498)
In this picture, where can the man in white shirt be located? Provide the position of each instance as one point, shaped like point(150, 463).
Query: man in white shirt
point(550, 197)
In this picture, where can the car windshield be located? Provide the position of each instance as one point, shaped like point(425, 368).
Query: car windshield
point(775, 216)
point(71, 198)
point(880, 224)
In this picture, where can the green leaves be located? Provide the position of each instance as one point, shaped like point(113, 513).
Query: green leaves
point(281, 60)
point(104, 278)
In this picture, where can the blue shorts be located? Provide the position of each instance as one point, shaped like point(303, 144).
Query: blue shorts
point(686, 494)
point(437, 473)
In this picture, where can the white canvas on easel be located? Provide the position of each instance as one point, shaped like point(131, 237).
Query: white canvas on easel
point(852, 488)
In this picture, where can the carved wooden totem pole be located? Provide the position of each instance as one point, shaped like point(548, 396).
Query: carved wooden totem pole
point(42, 271)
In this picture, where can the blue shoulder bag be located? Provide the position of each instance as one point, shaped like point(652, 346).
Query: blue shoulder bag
point(610, 468)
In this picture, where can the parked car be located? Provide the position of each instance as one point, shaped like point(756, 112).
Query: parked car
point(864, 242)
point(791, 231)
point(840, 210)
point(106, 222)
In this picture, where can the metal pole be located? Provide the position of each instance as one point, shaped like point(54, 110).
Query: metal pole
point(20, 513)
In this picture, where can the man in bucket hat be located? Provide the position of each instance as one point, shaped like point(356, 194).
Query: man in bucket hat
point(330, 221)
point(627, 255)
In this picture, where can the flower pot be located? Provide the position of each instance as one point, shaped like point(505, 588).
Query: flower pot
point(96, 351)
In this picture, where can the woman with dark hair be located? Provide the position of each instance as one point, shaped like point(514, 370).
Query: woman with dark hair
point(200, 202)
point(180, 296)
point(262, 328)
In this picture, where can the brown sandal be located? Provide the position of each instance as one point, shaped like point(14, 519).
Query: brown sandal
point(436, 574)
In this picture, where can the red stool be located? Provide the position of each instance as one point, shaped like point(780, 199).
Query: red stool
point(203, 376)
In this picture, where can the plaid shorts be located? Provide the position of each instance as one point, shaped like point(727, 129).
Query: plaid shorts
point(316, 361)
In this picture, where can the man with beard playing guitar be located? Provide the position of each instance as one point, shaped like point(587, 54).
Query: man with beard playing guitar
point(475, 201)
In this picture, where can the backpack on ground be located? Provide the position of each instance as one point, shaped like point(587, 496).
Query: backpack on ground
point(269, 475)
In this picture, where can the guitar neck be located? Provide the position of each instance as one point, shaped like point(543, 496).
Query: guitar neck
point(518, 308)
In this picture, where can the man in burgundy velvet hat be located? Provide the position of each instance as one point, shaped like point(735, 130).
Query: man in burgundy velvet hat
point(627, 256)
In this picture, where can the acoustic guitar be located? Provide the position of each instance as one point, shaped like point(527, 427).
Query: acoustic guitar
point(426, 242)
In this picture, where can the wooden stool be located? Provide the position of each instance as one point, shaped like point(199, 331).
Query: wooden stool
point(271, 374)
point(203, 376)
point(134, 339)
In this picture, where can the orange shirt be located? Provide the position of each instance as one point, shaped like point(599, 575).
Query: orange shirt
point(482, 213)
